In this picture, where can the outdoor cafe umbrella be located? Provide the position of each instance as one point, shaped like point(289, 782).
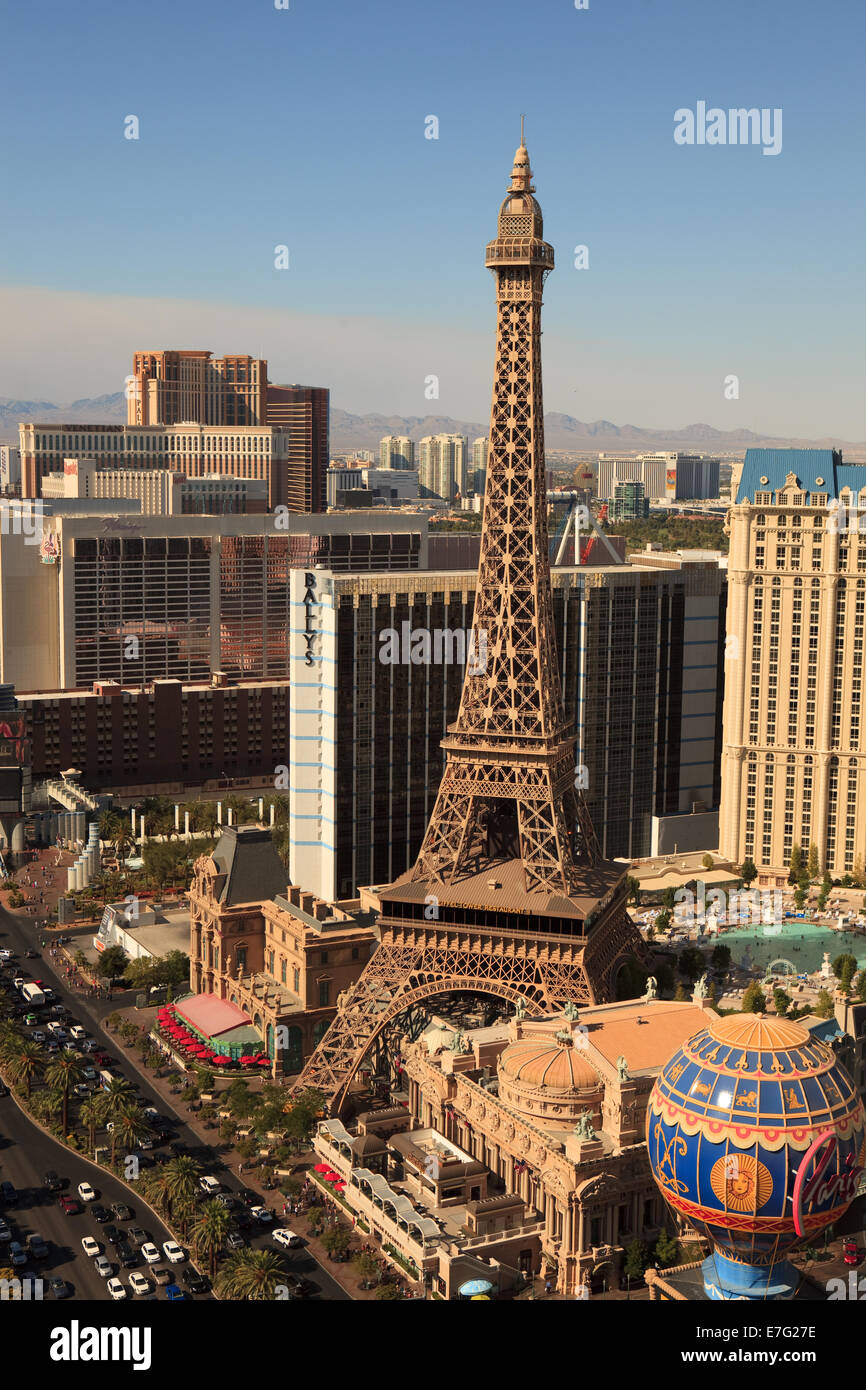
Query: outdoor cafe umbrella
point(248, 1061)
point(322, 1168)
point(221, 1060)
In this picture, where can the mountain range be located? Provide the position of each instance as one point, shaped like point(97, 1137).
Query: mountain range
point(563, 433)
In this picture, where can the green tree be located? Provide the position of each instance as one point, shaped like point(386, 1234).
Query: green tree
point(633, 886)
point(209, 1232)
point(691, 963)
point(708, 861)
point(336, 1241)
point(129, 1127)
point(782, 1001)
point(368, 1268)
point(389, 1293)
point(860, 987)
point(824, 1004)
point(25, 1064)
point(753, 999)
point(800, 897)
point(796, 865)
point(662, 920)
point(90, 1115)
point(843, 963)
point(112, 963)
point(64, 1072)
point(251, 1276)
point(846, 977)
point(748, 871)
point(666, 1250)
point(812, 866)
point(115, 1097)
point(636, 1260)
point(721, 958)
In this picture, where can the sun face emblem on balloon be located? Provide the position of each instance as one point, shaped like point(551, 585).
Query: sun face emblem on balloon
point(741, 1182)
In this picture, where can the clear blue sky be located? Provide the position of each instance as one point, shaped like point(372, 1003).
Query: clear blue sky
point(306, 127)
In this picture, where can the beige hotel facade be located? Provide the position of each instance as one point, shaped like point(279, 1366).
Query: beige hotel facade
point(794, 763)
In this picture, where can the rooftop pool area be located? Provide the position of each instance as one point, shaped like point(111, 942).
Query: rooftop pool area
point(796, 940)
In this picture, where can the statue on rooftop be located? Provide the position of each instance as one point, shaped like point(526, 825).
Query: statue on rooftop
point(651, 987)
point(571, 1011)
point(583, 1129)
point(622, 1069)
point(456, 1042)
point(520, 1009)
point(701, 988)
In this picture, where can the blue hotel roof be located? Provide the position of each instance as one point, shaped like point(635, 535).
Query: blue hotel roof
point(808, 465)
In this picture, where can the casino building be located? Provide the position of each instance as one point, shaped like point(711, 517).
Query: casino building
point(522, 1149)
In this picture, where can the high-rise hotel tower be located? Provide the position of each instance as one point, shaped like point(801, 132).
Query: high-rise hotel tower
point(794, 760)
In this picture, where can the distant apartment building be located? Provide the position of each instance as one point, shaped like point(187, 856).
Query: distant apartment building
point(794, 767)
point(10, 469)
point(629, 503)
point(396, 451)
point(477, 476)
point(263, 453)
point(442, 466)
point(666, 476)
point(304, 411)
point(385, 485)
point(641, 652)
point(160, 492)
point(174, 387)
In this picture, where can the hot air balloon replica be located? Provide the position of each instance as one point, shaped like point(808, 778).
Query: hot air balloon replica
point(757, 1139)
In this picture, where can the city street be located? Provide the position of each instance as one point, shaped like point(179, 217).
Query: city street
point(26, 1154)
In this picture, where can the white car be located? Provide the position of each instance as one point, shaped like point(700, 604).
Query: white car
point(288, 1239)
point(116, 1289)
point(139, 1284)
point(76, 1031)
point(262, 1214)
point(5, 954)
point(86, 1192)
point(151, 1253)
point(102, 1267)
point(210, 1186)
point(91, 1247)
point(173, 1252)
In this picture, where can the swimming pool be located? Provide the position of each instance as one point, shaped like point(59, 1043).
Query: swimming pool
point(800, 942)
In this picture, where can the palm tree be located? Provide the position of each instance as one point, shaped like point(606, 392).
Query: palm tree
point(209, 1232)
point(129, 1126)
point(61, 1075)
point(109, 824)
point(118, 1093)
point(251, 1275)
point(90, 1114)
point(155, 1187)
point(25, 1063)
point(182, 1175)
point(47, 1105)
point(123, 841)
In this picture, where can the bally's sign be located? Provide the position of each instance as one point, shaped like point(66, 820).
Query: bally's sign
point(310, 633)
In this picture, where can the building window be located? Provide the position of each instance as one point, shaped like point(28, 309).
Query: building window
point(324, 993)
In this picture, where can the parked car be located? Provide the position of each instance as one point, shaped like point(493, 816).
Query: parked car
point(162, 1276)
point(116, 1289)
point(173, 1252)
point(263, 1215)
point(103, 1267)
point(53, 1182)
point(195, 1282)
point(81, 1091)
point(100, 1213)
point(91, 1247)
point(59, 1287)
point(174, 1293)
point(851, 1255)
point(70, 1205)
point(227, 1200)
point(37, 1246)
point(235, 1241)
point(139, 1284)
point(76, 1031)
point(286, 1238)
point(210, 1185)
point(89, 1073)
point(138, 1235)
point(5, 1232)
point(151, 1253)
point(86, 1192)
point(16, 1253)
point(8, 1195)
point(125, 1253)
point(122, 1211)
point(112, 1233)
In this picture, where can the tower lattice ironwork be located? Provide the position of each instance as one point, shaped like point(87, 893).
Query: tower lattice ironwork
point(509, 895)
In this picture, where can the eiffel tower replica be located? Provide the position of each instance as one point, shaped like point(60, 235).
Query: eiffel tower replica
point(509, 895)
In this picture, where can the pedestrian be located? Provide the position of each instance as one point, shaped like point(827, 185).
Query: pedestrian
point(548, 1286)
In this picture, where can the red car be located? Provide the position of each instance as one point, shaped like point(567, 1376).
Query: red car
point(70, 1205)
point(850, 1254)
